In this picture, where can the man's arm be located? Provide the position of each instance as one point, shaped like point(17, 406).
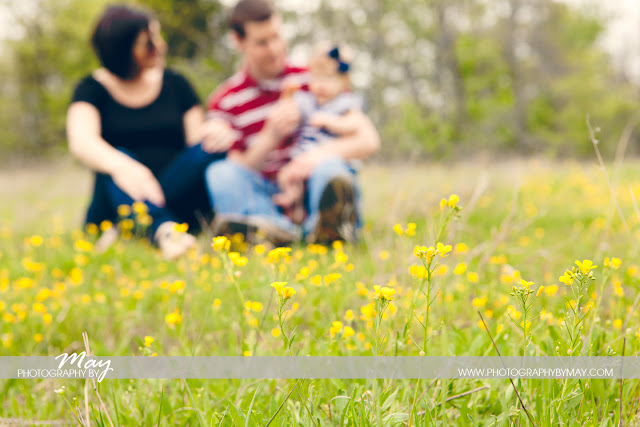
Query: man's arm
point(362, 143)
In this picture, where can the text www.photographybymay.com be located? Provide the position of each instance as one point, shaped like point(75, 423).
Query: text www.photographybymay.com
point(535, 373)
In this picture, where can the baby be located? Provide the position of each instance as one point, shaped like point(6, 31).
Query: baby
point(325, 114)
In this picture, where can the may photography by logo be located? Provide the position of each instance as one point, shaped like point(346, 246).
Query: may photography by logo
point(72, 365)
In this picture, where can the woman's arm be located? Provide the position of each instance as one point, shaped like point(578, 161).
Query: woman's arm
point(193, 120)
point(87, 145)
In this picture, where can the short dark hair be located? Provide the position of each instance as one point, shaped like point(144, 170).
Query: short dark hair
point(114, 36)
point(249, 11)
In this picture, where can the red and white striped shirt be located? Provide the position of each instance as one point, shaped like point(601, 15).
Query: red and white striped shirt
point(244, 103)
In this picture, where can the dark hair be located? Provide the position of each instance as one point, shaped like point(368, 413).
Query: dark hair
point(114, 37)
point(249, 11)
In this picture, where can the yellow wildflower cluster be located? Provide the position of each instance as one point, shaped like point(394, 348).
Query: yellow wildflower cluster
point(285, 292)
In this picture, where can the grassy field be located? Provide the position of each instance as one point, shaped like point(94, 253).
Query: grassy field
point(518, 226)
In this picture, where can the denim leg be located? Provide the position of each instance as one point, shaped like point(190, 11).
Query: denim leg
point(184, 186)
point(185, 171)
point(100, 207)
point(323, 173)
point(235, 189)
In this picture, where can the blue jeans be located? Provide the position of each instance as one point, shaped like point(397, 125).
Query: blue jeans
point(236, 189)
point(182, 182)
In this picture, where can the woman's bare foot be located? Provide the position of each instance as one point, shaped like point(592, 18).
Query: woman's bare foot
point(108, 238)
point(173, 243)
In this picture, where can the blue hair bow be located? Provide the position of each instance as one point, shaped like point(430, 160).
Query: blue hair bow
point(343, 67)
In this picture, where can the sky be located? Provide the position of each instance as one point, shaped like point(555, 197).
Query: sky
point(622, 36)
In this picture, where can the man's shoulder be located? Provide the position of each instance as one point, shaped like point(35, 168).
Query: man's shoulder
point(230, 86)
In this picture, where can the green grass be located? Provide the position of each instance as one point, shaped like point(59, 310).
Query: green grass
point(540, 216)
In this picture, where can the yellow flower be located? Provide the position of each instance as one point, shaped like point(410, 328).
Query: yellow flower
point(441, 270)
point(173, 318)
point(246, 353)
point(617, 289)
point(274, 255)
point(443, 204)
point(238, 260)
point(551, 290)
point(139, 207)
point(461, 248)
point(316, 280)
point(24, 283)
point(148, 341)
point(384, 255)
point(220, 244)
point(398, 229)
point(92, 229)
point(105, 225)
point(453, 200)
point(341, 258)
point(498, 259)
point(585, 266)
point(216, 303)
point(330, 278)
point(276, 332)
point(617, 323)
point(411, 229)
point(418, 271)
point(38, 337)
point(303, 273)
point(32, 266)
point(279, 286)
point(369, 311)
point(385, 293)
point(362, 289)
point(282, 290)
point(36, 240)
point(181, 228)
point(479, 302)
point(443, 250)
point(613, 263)
point(567, 278)
point(336, 327)
point(348, 315)
point(38, 307)
point(124, 210)
point(525, 284)
point(256, 306)
point(540, 289)
point(472, 277)
point(287, 293)
point(460, 269)
point(513, 312)
point(348, 332)
point(177, 287)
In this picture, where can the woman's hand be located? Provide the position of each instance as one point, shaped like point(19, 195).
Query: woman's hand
point(138, 182)
point(217, 136)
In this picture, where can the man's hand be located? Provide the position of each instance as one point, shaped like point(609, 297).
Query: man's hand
point(284, 119)
point(138, 182)
point(217, 135)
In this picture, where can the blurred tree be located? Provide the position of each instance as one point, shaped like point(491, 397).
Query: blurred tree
point(441, 77)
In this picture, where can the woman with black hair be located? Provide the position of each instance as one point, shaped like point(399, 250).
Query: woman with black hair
point(138, 125)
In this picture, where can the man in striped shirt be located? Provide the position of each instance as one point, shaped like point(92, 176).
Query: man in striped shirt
point(252, 112)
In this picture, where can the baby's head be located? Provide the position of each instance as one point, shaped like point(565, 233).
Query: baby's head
point(329, 71)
